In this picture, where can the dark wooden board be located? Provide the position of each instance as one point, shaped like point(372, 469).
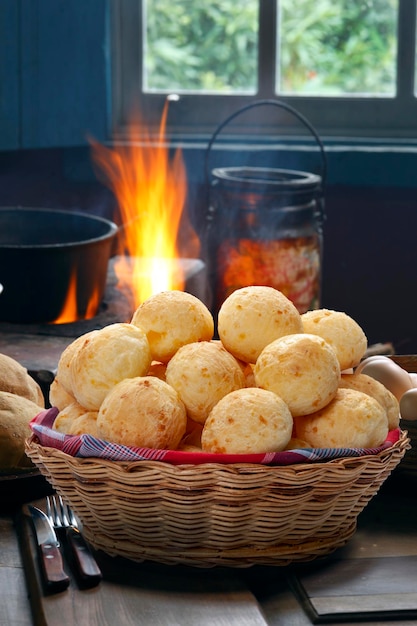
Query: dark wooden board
point(359, 589)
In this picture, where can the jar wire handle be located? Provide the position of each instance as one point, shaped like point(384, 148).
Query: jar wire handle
point(282, 105)
point(267, 102)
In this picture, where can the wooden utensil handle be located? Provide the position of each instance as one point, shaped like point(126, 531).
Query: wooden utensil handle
point(85, 562)
point(51, 561)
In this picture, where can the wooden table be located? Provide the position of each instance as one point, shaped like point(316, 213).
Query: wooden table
point(380, 561)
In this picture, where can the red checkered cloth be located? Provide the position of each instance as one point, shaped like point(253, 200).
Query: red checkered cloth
point(87, 446)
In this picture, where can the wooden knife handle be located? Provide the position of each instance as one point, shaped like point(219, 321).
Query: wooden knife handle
point(51, 561)
point(84, 560)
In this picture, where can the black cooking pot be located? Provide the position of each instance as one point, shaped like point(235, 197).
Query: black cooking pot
point(40, 252)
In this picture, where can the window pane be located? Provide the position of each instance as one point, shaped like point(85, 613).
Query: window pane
point(336, 47)
point(200, 47)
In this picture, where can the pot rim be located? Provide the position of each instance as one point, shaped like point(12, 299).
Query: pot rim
point(112, 228)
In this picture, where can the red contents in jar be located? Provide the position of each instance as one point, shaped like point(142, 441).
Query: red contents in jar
point(290, 265)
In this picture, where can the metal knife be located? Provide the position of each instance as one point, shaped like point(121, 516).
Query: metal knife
point(49, 553)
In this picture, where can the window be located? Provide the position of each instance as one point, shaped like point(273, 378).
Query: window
point(347, 65)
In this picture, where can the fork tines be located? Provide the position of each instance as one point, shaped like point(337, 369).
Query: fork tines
point(63, 518)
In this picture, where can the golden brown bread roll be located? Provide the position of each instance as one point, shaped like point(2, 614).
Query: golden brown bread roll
point(113, 353)
point(252, 317)
point(202, 373)
point(15, 414)
point(63, 372)
point(353, 419)
point(66, 416)
point(302, 369)
point(15, 378)
point(374, 388)
point(144, 412)
point(58, 396)
point(247, 421)
point(85, 424)
point(75, 419)
point(172, 319)
point(339, 330)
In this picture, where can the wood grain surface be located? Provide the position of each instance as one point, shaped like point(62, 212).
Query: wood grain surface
point(134, 593)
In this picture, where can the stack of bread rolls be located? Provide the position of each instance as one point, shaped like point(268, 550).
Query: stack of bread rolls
point(274, 379)
point(21, 398)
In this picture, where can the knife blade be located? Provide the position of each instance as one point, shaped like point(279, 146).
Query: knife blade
point(50, 556)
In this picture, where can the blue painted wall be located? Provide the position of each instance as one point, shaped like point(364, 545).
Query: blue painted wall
point(54, 72)
point(9, 75)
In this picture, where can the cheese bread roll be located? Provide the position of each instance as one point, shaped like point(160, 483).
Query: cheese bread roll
point(172, 319)
point(302, 369)
point(14, 378)
point(63, 372)
point(15, 414)
point(144, 412)
point(247, 421)
point(58, 396)
point(85, 424)
point(374, 388)
point(202, 373)
point(353, 419)
point(252, 317)
point(113, 353)
point(66, 416)
point(74, 419)
point(339, 330)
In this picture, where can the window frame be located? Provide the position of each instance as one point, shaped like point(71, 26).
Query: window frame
point(196, 116)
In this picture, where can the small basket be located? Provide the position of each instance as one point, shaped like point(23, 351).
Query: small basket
point(235, 515)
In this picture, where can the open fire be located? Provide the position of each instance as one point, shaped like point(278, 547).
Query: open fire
point(151, 189)
point(158, 247)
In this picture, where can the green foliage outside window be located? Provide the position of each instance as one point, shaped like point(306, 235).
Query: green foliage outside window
point(202, 46)
point(338, 46)
point(325, 46)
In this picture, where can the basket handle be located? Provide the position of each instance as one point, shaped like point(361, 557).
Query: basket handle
point(267, 102)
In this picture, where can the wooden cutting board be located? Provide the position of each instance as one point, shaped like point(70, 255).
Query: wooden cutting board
point(358, 589)
point(138, 593)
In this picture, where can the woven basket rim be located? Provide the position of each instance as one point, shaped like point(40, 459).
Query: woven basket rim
point(33, 443)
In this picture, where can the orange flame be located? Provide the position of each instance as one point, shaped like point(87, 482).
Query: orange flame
point(150, 189)
point(69, 312)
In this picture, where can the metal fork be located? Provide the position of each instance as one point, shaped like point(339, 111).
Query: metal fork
point(65, 523)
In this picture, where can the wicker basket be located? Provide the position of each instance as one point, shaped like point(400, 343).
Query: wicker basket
point(213, 514)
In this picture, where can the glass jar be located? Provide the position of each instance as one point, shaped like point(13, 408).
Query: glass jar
point(264, 226)
point(266, 229)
